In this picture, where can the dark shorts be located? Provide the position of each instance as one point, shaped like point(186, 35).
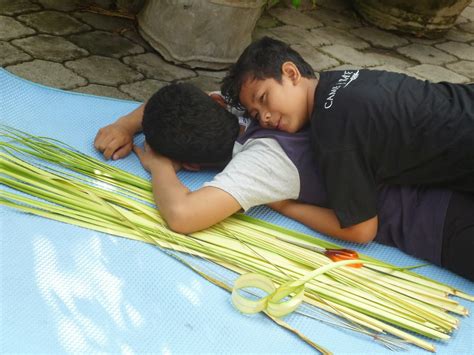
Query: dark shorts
point(458, 235)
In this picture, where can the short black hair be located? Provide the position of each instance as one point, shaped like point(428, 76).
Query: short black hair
point(183, 123)
point(262, 59)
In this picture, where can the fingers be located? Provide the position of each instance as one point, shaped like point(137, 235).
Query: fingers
point(122, 152)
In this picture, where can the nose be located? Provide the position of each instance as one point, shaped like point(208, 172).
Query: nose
point(265, 118)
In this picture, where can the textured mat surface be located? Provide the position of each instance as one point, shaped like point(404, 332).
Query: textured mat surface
point(68, 289)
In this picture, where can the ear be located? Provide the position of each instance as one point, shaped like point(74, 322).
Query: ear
point(219, 99)
point(191, 166)
point(290, 70)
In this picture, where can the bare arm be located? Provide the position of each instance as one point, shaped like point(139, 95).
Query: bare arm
point(325, 221)
point(116, 140)
point(185, 211)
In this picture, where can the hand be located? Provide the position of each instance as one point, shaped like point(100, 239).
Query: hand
point(114, 141)
point(152, 160)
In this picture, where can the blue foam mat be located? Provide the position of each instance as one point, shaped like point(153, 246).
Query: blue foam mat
point(68, 289)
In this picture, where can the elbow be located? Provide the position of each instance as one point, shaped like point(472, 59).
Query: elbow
point(364, 232)
point(178, 221)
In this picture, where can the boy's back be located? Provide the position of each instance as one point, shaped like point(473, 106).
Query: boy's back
point(372, 127)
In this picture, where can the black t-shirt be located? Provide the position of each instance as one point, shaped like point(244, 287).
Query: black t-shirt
point(372, 127)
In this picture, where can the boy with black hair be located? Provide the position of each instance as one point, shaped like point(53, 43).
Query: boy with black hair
point(368, 127)
point(269, 166)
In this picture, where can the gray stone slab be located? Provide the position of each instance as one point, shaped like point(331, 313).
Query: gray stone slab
point(103, 90)
point(461, 20)
point(426, 54)
point(379, 38)
point(350, 55)
point(54, 23)
point(390, 58)
point(289, 34)
point(344, 20)
point(15, 7)
point(295, 18)
point(333, 35)
point(106, 44)
point(11, 28)
point(154, 67)
point(460, 50)
point(468, 12)
point(134, 36)
point(337, 5)
point(142, 90)
point(346, 67)
point(463, 67)
point(11, 55)
point(391, 68)
point(103, 22)
point(459, 36)
point(316, 59)
point(436, 74)
point(263, 32)
point(48, 73)
point(206, 83)
point(56, 49)
point(267, 21)
point(467, 27)
point(104, 71)
point(61, 5)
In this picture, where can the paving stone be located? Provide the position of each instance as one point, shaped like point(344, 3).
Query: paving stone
point(389, 59)
point(54, 23)
point(61, 5)
point(13, 29)
point(425, 54)
point(11, 55)
point(425, 41)
point(295, 18)
point(336, 36)
point(463, 67)
point(267, 21)
point(460, 50)
point(391, 68)
point(104, 71)
point(289, 34)
point(467, 27)
point(103, 90)
point(461, 20)
point(15, 7)
point(142, 90)
point(152, 66)
point(349, 55)
point(106, 44)
point(437, 74)
point(134, 36)
point(48, 73)
point(459, 36)
point(106, 23)
point(316, 59)
point(206, 83)
point(342, 20)
point(346, 67)
point(263, 32)
point(53, 48)
point(468, 12)
point(379, 38)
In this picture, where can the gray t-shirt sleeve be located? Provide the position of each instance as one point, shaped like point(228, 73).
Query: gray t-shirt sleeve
point(259, 173)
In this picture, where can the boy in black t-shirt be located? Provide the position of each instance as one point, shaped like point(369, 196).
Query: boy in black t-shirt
point(368, 127)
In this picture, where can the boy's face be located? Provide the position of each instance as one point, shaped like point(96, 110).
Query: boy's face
point(275, 105)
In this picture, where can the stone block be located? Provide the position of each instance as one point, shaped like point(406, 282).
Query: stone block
point(344, 20)
point(295, 18)
point(106, 44)
point(15, 7)
point(463, 67)
point(142, 90)
point(11, 55)
point(460, 50)
point(379, 38)
point(54, 23)
point(48, 73)
point(333, 35)
point(105, 23)
point(426, 54)
point(56, 49)
point(316, 59)
point(436, 74)
point(61, 5)
point(11, 28)
point(104, 71)
point(350, 55)
point(103, 90)
point(154, 67)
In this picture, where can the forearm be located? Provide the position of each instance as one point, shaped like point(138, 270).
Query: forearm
point(188, 211)
point(132, 121)
point(324, 220)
